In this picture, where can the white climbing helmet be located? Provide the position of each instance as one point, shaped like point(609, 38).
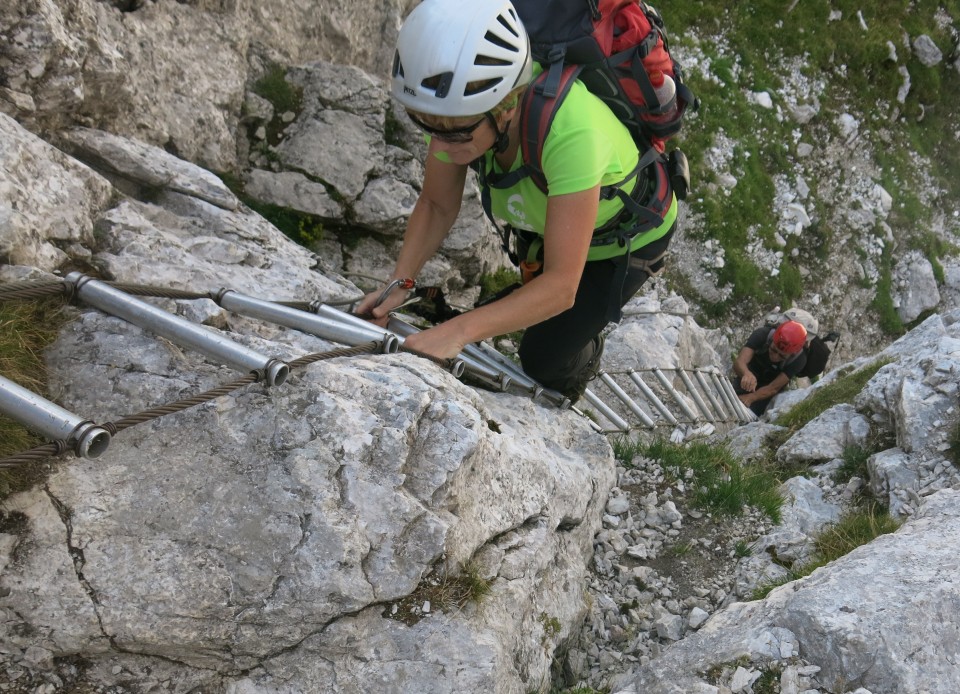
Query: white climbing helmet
point(445, 45)
point(804, 319)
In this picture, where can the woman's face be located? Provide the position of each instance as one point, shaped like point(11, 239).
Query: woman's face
point(464, 152)
point(463, 142)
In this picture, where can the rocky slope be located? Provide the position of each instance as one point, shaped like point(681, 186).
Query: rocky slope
point(268, 540)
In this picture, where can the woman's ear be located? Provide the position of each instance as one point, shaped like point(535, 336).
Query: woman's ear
point(505, 117)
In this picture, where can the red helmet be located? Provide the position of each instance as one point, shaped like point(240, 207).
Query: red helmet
point(789, 337)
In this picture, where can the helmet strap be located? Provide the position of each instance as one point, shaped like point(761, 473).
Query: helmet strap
point(502, 142)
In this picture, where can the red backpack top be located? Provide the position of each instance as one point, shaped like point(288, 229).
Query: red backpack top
point(617, 49)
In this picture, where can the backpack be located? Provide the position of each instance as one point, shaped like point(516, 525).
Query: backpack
point(818, 354)
point(612, 47)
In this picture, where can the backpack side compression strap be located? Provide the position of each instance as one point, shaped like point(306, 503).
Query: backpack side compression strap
point(536, 117)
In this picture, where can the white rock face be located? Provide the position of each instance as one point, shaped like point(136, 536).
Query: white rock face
point(142, 74)
point(831, 618)
point(271, 540)
point(47, 199)
point(263, 530)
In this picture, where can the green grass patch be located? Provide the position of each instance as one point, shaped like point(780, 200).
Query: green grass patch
point(720, 483)
point(857, 528)
point(26, 329)
point(953, 453)
point(285, 98)
point(626, 449)
point(862, 79)
point(843, 390)
point(882, 304)
point(492, 283)
point(854, 464)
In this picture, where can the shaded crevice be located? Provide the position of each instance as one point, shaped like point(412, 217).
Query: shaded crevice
point(279, 579)
point(79, 561)
point(340, 476)
point(526, 524)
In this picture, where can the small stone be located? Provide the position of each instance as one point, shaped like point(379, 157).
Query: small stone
point(618, 505)
point(697, 617)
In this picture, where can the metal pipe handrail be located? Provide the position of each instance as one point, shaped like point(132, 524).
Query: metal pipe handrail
point(701, 405)
point(476, 367)
point(679, 399)
point(52, 421)
point(746, 414)
point(592, 398)
point(652, 397)
point(593, 425)
point(335, 331)
point(456, 365)
point(178, 330)
point(719, 409)
point(556, 397)
point(723, 394)
point(632, 405)
point(494, 358)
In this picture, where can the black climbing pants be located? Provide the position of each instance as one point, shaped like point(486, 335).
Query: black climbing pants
point(561, 352)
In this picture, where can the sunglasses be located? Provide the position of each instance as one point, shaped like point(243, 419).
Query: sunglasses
point(457, 136)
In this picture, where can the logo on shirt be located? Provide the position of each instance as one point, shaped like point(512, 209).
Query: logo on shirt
point(515, 207)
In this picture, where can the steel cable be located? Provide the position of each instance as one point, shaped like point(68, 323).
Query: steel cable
point(35, 289)
point(59, 447)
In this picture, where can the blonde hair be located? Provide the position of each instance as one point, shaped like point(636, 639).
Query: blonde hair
point(453, 122)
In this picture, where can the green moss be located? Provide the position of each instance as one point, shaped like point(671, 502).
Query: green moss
point(26, 329)
point(273, 87)
point(495, 282)
point(860, 79)
point(843, 390)
point(953, 453)
point(285, 98)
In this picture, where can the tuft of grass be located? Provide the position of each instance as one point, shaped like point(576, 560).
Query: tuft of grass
point(720, 483)
point(495, 282)
point(954, 440)
point(626, 449)
point(284, 97)
point(26, 329)
point(843, 390)
point(444, 591)
point(854, 464)
point(857, 528)
point(882, 304)
point(768, 682)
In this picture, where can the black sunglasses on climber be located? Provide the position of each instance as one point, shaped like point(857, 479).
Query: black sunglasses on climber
point(456, 136)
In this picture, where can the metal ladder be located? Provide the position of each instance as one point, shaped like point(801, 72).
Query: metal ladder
point(701, 397)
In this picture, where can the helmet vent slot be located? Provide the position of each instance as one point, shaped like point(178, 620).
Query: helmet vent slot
point(439, 84)
point(506, 25)
point(497, 41)
point(481, 86)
